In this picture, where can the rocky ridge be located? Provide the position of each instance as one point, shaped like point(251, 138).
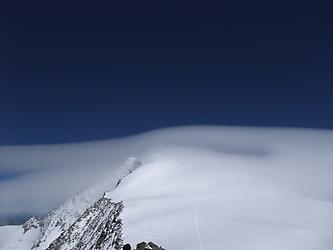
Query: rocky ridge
point(87, 221)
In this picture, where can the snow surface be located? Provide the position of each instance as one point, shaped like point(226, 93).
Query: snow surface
point(198, 188)
point(203, 200)
point(12, 238)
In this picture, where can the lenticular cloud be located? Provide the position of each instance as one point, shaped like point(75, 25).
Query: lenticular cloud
point(298, 161)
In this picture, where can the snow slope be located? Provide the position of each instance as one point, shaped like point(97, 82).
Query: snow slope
point(12, 237)
point(218, 189)
point(203, 200)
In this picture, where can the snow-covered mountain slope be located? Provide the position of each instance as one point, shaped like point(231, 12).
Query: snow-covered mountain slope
point(78, 223)
point(61, 218)
point(275, 195)
point(99, 227)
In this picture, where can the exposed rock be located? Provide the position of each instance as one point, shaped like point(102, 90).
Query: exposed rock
point(148, 246)
point(59, 220)
point(99, 227)
point(77, 224)
point(127, 247)
point(31, 223)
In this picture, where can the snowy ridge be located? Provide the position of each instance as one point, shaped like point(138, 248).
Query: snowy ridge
point(60, 219)
point(99, 227)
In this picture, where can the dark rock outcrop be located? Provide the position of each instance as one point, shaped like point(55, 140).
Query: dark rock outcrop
point(127, 247)
point(148, 246)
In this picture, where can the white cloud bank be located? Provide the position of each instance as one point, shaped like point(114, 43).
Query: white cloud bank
point(300, 160)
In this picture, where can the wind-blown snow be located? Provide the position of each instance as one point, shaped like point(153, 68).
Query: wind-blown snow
point(199, 187)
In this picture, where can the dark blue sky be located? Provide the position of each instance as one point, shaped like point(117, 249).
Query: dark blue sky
point(89, 70)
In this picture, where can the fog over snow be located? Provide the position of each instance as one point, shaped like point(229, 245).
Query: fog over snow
point(290, 169)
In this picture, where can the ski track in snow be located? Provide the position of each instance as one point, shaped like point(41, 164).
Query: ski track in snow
point(196, 222)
